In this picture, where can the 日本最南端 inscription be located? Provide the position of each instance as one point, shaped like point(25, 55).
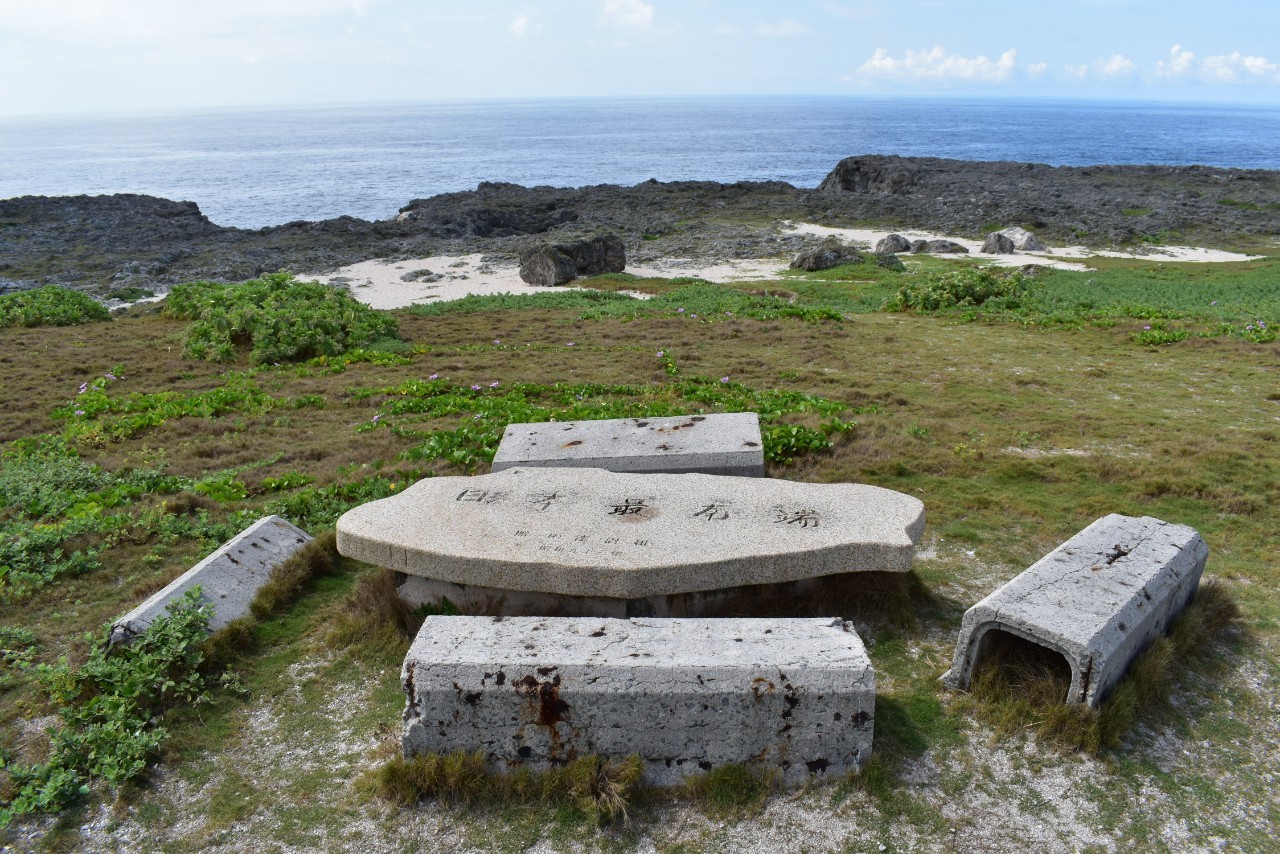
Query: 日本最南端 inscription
point(588, 532)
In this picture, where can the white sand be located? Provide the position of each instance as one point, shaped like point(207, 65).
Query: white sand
point(869, 237)
point(378, 283)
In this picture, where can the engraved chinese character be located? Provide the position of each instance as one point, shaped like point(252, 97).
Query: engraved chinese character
point(542, 500)
point(713, 512)
point(642, 542)
point(629, 507)
point(522, 533)
point(582, 538)
point(480, 496)
point(613, 539)
point(553, 536)
point(803, 518)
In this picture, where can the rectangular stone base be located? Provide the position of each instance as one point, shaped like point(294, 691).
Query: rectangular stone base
point(720, 443)
point(1098, 600)
point(685, 695)
point(824, 594)
point(229, 578)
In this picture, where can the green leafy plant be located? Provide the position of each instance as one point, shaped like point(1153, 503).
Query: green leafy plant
point(969, 286)
point(276, 319)
point(110, 707)
point(50, 306)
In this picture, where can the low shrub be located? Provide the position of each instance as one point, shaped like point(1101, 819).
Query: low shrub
point(50, 306)
point(276, 319)
point(967, 287)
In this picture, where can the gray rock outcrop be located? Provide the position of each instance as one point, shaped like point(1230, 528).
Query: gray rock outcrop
point(890, 262)
point(1023, 239)
point(997, 244)
point(558, 264)
point(891, 244)
point(945, 247)
point(825, 255)
point(547, 265)
point(918, 246)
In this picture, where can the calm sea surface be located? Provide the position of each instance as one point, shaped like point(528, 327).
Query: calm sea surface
point(252, 168)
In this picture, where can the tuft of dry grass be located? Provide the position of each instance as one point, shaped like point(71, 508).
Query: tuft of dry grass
point(317, 558)
point(372, 621)
point(599, 787)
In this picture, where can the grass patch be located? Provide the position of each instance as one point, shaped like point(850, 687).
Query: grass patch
point(1023, 686)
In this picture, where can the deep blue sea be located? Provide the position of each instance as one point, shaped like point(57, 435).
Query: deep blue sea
point(252, 168)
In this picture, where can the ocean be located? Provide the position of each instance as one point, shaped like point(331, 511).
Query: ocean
point(256, 167)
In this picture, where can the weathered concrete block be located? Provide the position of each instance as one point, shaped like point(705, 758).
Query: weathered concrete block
point(1098, 600)
point(685, 695)
point(710, 444)
point(589, 532)
point(229, 578)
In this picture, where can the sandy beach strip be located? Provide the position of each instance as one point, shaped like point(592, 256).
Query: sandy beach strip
point(396, 284)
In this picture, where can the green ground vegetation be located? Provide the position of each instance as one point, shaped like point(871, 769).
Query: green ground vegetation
point(49, 306)
point(1017, 417)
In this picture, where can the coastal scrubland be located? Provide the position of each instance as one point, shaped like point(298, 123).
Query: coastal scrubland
point(1018, 406)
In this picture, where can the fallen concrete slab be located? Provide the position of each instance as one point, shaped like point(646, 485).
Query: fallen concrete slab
point(593, 533)
point(1097, 600)
point(727, 444)
point(685, 695)
point(228, 579)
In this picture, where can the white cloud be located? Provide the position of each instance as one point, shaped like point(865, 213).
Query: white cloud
point(781, 28)
point(1117, 66)
point(727, 30)
point(938, 64)
point(1081, 71)
point(1234, 67)
point(627, 14)
point(519, 26)
point(1178, 65)
point(1037, 69)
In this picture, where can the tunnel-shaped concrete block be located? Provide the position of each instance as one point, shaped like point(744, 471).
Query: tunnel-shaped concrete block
point(228, 579)
point(685, 695)
point(1098, 600)
point(719, 443)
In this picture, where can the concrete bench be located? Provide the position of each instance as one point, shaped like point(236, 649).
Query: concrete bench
point(229, 578)
point(727, 444)
point(685, 695)
point(1098, 600)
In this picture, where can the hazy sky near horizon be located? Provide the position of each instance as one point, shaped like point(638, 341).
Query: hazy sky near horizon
point(78, 56)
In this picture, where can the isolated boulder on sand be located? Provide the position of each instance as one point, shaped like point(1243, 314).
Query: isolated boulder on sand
point(944, 247)
point(825, 255)
point(892, 244)
point(547, 265)
point(918, 246)
point(997, 244)
point(557, 264)
point(1023, 239)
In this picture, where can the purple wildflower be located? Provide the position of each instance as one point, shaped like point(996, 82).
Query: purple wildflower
point(434, 377)
point(475, 388)
point(493, 384)
point(724, 379)
point(79, 412)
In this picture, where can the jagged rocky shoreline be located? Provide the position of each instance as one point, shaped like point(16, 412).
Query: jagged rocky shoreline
point(97, 243)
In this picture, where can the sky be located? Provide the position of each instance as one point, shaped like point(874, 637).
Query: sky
point(140, 56)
